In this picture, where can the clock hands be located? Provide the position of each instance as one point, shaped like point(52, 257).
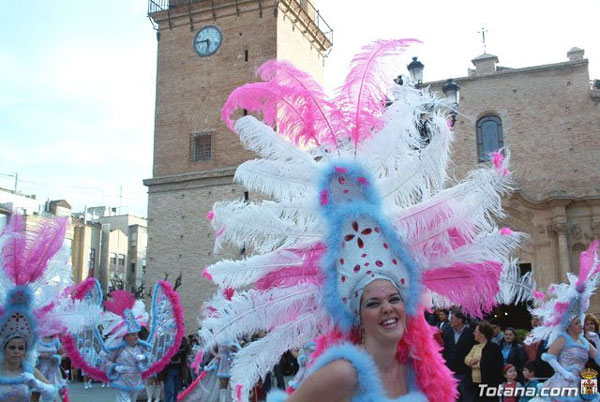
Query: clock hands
point(207, 43)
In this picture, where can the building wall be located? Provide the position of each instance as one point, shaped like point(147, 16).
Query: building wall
point(551, 126)
point(191, 91)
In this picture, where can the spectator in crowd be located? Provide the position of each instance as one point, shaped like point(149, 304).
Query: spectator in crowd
point(457, 344)
point(590, 329)
point(498, 335)
point(175, 372)
point(510, 382)
point(512, 350)
point(535, 350)
point(531, 381)
point(485, 361)
point(444, 323)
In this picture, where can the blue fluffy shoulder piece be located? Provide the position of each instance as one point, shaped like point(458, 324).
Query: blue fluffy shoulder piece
point(368, 375)
point(277, 396)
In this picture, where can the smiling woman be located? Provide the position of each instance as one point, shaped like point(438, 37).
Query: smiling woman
point(359, 231)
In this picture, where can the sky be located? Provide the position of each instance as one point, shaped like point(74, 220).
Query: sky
point(77, 77)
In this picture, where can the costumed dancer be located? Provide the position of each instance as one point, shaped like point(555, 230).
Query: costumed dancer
point(89, 354)
point(359, 228)
point(212, 384)
point(562, 325)
point(49, 358)
point(126, 361)
point(34, 272)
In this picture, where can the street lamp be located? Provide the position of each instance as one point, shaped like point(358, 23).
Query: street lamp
point(452, 92)
point(415, 68)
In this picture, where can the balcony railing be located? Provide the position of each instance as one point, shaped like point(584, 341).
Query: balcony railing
point(302, 11)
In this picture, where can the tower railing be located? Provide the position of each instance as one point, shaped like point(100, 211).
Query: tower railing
point(303, 11)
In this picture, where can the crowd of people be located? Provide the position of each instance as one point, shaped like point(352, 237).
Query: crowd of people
point(482, 353)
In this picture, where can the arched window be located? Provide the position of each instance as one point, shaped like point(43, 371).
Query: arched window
point(489, 136)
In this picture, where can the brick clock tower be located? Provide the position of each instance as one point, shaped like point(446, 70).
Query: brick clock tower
point(207, 48)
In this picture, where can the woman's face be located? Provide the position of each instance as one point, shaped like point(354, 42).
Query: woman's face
point(589, 326)
point(382, 311)
point(575, 328)
point(131, 339)
point(509, 336)
point(14, 351)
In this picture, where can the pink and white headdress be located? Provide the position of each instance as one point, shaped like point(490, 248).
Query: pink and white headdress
point(356, 194)
point(123, 315)
point(568, 301)
point(34, 274)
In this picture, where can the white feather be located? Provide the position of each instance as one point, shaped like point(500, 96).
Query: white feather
point(514, 287)
point(283, 181)
point(259, 137)
point(251, 311)
point(230, 273)
point(247, 224)
point(258, 358)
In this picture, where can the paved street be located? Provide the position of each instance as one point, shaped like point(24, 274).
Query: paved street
point(97, 394)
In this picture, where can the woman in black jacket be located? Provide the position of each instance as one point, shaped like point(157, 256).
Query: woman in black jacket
point(512, 351)
point(485, 361)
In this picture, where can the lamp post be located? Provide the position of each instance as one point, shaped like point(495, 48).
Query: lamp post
point(452, 92)
point(415, 68)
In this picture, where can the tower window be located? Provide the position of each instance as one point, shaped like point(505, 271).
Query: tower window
point(201, 146)
point(246, 55)
point(489, 136)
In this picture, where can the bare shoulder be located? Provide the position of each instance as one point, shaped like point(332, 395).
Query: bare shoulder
point(335, 381)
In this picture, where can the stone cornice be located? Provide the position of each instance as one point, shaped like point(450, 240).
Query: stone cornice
point(513, 71)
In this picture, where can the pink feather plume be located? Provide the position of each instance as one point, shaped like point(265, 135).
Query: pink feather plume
point(26, 254)
point(588, 263)
point(324, 121)
point(367, 83)
point(308, 272)
point(118, 301)
point(458, 281)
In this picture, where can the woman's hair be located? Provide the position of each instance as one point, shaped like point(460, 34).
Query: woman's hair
point(486, 329)
point(591, 317)
point(10, 338)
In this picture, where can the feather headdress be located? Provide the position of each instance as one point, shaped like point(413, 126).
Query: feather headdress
point(34, 276)
point(568, 301)
point(361, 196)
point(123, 315)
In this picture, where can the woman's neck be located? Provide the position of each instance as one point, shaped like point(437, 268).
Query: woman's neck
point(384, 354)
point(574, 336)
point(8, 367)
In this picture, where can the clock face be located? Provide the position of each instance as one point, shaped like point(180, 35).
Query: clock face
point(208, 40)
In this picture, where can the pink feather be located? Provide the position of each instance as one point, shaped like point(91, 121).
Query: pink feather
point(84, 288)
point(70, 346)
point(289, 276)
point(26, 255)
point(324, 120)
point(538, 295)
point(278, 106)
point(458, 281)
point(118, 301)
point(586, 263)
point(367, 83)
point(179, 322)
